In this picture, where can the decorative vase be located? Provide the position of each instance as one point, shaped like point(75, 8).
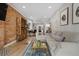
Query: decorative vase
point(38, 43)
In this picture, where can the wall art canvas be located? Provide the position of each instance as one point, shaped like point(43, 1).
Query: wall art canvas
point(64, 17)
point(75, 13)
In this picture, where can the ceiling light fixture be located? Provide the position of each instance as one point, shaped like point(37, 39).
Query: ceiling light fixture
point(23, 6)
point(31, 17)
point(49, 7)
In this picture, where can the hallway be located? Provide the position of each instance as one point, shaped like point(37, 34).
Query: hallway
point(39, 29)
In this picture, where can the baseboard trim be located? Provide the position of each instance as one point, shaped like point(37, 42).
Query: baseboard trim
point(10, 43)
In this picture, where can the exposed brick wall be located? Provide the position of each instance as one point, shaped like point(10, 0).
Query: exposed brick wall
point(2, 33)
point(10, 25)
point(10, 29)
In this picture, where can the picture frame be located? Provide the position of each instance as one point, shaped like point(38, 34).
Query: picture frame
point(64, 16)
point(75, 13)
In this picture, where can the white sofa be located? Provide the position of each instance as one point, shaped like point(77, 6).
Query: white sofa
point(62, 48)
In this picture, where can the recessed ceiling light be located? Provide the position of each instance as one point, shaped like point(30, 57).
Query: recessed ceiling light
point(23, 6)
point(44, 16)
point(49, 7)
point(31, 17)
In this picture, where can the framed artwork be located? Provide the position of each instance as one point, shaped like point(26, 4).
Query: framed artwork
point(64, 17)
point(75, 13)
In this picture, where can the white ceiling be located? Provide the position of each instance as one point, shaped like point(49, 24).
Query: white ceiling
point(36, 11)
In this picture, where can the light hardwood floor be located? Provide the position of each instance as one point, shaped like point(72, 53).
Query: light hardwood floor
point(18, 48)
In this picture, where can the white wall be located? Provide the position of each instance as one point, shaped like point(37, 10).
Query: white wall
point(71, 31)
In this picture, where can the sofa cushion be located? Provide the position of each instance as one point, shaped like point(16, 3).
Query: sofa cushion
point(58, 36)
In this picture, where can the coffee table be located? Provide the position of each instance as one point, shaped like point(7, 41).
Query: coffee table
point(33, 50)
point(42, 47)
